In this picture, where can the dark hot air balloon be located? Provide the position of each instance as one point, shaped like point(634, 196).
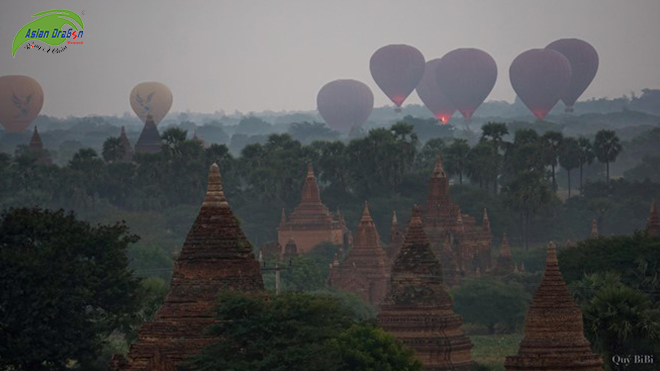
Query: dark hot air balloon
point(21, 99)
point(467, 76)
point(344, 104)
point(433, 97)
point(584, 65)
point(397, 69)
point(540, 77)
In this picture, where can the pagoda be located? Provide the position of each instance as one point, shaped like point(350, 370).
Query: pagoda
point(364, 271)
point(418, 310)
point(471, 243)
point(216, 256)
point(36, 147)
point(653, 223)
point(554, 338)
point(505, 263)
point(311, 223)
point(149, 140)
point(126, 148)
point(396, 240)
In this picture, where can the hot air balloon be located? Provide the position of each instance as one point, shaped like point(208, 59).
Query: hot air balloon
point(397, 69)
point(540, 77)
point(584, 65)
point(21, 99)
point(467, 76)
point(432, 96)
point(151, 98)
point(344, 104)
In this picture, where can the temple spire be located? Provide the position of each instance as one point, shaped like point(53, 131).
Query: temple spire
point(554, 335)
point(366, 215)
point(215, 196)
point(35, 141)
point(395, 222)
point(283, 218)
point(438, 169)
point(485, 223)
point(310, 193)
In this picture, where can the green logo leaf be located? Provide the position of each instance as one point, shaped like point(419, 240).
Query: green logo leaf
point(51, 20)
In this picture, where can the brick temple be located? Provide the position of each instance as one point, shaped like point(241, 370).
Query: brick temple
point(470, 243)
point(365, 270)
point(396, 240)
point(36, 147)
point(554, 338)
point(418, 310)
point(149, 140)
point(311, 223)
point(126, 148)
point(215, 256)
point(653, 223)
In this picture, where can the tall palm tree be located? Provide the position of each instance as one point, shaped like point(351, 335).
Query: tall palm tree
point(569, 158)
point(607, 147)
point(586, 155)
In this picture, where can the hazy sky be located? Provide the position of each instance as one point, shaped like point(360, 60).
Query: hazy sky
point(254, 55)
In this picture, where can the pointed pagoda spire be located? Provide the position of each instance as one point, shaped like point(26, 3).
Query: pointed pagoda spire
point(395, 221)
point(522, 266)
point(459, 222)
point(653, 223)
point(283, 218)
point(594, 229)
point(35, 142)
point(554, 337)
point(216, 256)
point(310, 192)
point(418, 309)
point(127, 149)
point(505, 263)
point(438, 168)
point(485, 222)
point(215, 196)
point(417, 267)
point(366, 235)
point(149, 140)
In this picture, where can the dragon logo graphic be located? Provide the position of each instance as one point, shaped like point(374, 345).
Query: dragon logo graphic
point(23, 107)
point(47, 28)
point(145, 104)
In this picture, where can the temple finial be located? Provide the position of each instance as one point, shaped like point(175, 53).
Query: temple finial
point(215, 196)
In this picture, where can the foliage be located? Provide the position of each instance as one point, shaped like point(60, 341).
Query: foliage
point(607, 147)
point(66, 287)
point(490, 351)
point(296, 332)
point(489, 302)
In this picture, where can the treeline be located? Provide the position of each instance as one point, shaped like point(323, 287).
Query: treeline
point(518, 176)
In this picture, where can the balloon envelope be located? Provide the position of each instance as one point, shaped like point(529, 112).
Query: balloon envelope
point(344, 104)
point(397, 69)
point(584, 65)
point(151, 98)
point(433, 97)
point(467, 76)
point(21, 99)
point(540, 77)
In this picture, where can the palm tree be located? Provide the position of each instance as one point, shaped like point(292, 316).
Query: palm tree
point(456, 157)
point(494, 132)
point(551, 141)
point(607, 147)
point(586, 155)
point(569, 158)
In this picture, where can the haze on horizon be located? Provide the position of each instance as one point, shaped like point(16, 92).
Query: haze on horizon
point(265, 55)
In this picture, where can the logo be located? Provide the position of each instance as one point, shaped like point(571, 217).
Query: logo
point(48, 29)
point(145, 104)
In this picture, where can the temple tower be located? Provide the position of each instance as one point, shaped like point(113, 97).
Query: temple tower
point(215, 256)
point(36, 147)
point(554, 338)
point(364, 271)
point(149, 140)
point(505, 263)
point(418, 309)
point(310, 223)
